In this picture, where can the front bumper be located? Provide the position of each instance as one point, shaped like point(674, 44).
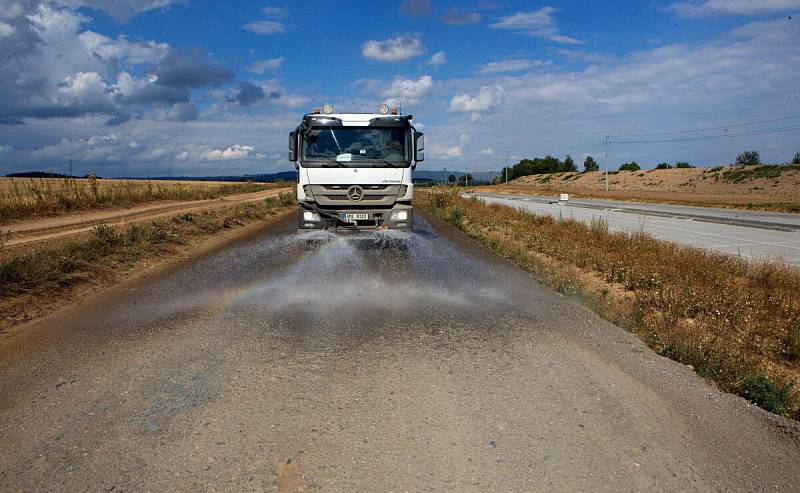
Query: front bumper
point(312, 217)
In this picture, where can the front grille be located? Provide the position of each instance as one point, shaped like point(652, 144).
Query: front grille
point(374, 195)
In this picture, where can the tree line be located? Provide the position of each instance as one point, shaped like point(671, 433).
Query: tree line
point(550, 164)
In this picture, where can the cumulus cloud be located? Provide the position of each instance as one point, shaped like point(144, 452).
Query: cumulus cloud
point(732, 7)
point(237, 151)
point(447, 152)
point(539, 23)
point(51, 68)
point(123, 50)
point(415, 8)
point(488, 98)
point(438, 59)
point(261, 66)
point(512, 65)
point(247, 94)
point(180, 112)
point(458, 17)
point(393, 49)
point(193, 69)
point(408, 91)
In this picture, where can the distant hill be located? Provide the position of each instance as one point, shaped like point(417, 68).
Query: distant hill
point(424, 176)
point(260, 177)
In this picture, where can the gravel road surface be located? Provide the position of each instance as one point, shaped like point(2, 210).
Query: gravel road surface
point(272, 365)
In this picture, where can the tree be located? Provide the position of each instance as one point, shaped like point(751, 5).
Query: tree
point(683, 165)
point(569, 164)
point(632, 166)
point(451, 178)
point(590, 164)
point(796, 159)
point(663, 166)
point(748, 158)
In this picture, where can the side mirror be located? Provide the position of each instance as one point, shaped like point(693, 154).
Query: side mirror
point(293, 146)
point(419, 146)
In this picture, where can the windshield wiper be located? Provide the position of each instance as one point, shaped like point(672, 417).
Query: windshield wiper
point(386, 163)
point(333, 163)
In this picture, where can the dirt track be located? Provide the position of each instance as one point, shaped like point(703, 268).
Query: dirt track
point(50, 228)
point(271, 366)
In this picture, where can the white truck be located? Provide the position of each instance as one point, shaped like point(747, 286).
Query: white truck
point(355, 169)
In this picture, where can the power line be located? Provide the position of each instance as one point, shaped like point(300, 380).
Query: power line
point(708, 129)
point(710, 137)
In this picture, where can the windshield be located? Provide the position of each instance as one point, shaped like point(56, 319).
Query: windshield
point(345, 145)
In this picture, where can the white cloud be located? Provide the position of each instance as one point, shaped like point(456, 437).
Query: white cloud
point(536, 20)
point(393, 49)
point(6, 30)
point(408, 91)
point(262, 66)
point(122, 49)
point(488, 98)
point(732, 7)
point(538, 23)
point(437, 151)
point(512, 65)
point(438, 59)
point(487, 152)
point(265, 27)
point(237, 151)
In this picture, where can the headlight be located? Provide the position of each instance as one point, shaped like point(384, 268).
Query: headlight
point(398, 216)
point(310, 216)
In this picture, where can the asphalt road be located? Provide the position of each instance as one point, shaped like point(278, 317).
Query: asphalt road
point(269, 365)
point(750, 234)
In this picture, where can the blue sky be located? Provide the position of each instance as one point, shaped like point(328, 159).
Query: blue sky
point(138, 87)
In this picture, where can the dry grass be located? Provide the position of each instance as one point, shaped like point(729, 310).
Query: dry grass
point(27, 197)
point(38, 277)
point(737, 323)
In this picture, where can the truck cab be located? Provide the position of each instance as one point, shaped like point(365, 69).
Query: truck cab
point(355, 169)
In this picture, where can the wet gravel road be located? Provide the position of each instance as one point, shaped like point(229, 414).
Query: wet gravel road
point(269, 365)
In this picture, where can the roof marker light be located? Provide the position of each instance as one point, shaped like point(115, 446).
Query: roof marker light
point(383, 109)
point(394, 110)
point(316, 111)
point(327, 108)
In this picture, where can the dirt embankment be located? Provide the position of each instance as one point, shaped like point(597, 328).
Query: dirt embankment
point(769, 187)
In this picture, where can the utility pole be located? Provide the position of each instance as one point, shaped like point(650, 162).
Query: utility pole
point(70, 168)
point(605, 148)
point(466, 179)
point(506, 169)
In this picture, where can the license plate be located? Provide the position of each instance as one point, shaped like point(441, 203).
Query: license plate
point(356, 216)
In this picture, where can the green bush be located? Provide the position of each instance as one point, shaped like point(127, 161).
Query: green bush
point(683, 165)
point(768, 395)
point(632, 166)
point(664, 166)
point(748, 158)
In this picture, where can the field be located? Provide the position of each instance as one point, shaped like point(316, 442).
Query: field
point(22, 198)
point(769, 187)
point(734, 322)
